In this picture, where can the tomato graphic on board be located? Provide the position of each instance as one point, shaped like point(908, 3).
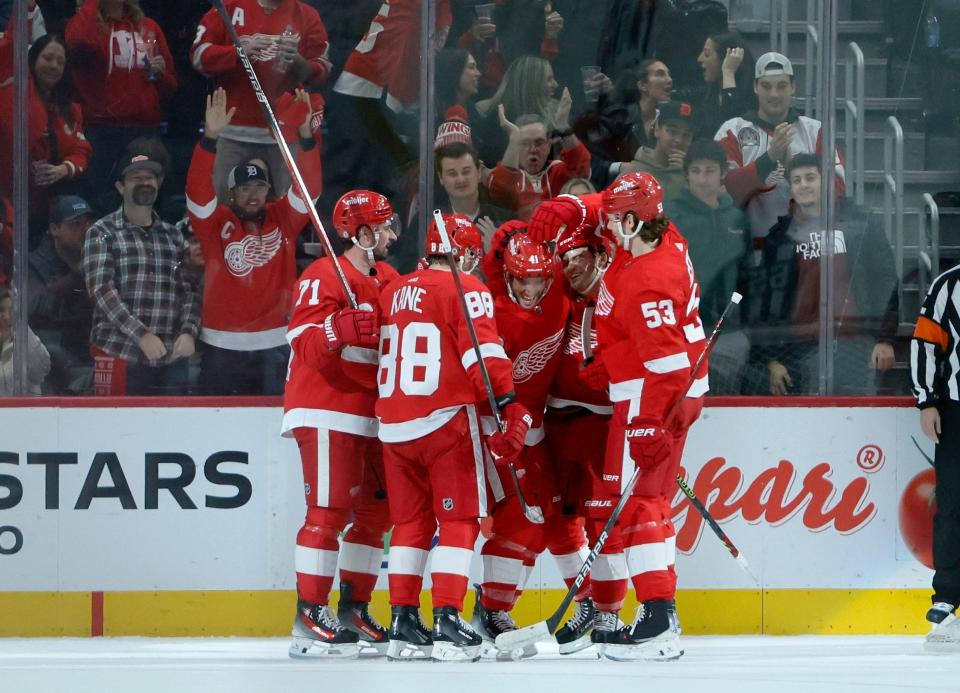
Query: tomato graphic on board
point(917, 507)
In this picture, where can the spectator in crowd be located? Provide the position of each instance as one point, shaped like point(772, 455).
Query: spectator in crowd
point(250, 265)
point(759, 145)
point(124, 74)
point(618, 128)
point(38, 360)
point(719, 241)
point(528, 88)
point(578, 186)
point(782, 298)
point(727, 65)
point(36, 26)
point(58, 305)
point(58, 150)
point(146, 314)
point(673, 132)
point(287, 44)
point(526, 176)
point(457, 84)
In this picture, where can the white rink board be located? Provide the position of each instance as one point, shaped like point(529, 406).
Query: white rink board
point(826, 517)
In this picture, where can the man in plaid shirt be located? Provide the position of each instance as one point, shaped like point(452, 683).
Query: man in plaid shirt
point(146, 313)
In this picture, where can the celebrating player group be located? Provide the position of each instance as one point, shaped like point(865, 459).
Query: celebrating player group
point(539, 384)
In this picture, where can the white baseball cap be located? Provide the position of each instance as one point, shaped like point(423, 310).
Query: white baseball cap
point(773, 65)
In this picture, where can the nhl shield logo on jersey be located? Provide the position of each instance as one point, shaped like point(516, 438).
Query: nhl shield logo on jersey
point(448, 504)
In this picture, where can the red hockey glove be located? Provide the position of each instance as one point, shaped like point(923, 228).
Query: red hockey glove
point(650, 443)
point(503, 234)
point(508, 443)
point(551, 215)
point(351, 327)
point(594, 374)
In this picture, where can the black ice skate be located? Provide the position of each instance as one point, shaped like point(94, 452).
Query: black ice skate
point(318, 633)
point(355, 616)
point(489, 624)
point(654, 635)
point(945, 634)
point(574, 635)
point(605, 627)
point(453, 639)
point(409, 637)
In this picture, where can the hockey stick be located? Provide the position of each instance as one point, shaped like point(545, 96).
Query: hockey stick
point(585, 328)
point(533, 513)
point(288, 159)
point(530, 635)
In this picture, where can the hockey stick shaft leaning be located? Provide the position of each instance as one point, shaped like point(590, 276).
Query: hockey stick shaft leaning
point(301, 187)
point(523, 637)
point(534, 515)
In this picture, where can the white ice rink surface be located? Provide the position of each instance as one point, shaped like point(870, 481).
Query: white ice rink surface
point(741, 664)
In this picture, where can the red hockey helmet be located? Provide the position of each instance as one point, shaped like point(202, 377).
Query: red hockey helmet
point(639, 193)
point(359, 208)
point(526, 259)
point(464, 236)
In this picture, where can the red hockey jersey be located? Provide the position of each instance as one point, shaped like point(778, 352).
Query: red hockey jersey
point(649, 326)
point(336, 390)
point(388, 56)
point(569, 389)
point(250, 266)
point(108, 61)
point(214, 55)
point(428, 367)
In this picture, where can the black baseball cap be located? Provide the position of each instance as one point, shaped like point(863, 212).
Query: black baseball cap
point(68, 208)
point(244, 173)
point(128, 163)
point(676, 112)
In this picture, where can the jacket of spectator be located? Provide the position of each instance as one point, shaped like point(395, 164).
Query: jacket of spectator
point(214, 56)
point(38, 360)
point(755, 180)
point(719, 241)
point(110, 60)
point(670, 177)
point(135, 277)
point(515, 189)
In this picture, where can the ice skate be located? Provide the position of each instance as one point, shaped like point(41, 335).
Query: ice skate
point(574, 635)
point(318, 633)
point(945, 634)
point(453, 639)
point(409, 637)
point(489, 624)
point(654, 635)
point(605, 627)
point(355, 616)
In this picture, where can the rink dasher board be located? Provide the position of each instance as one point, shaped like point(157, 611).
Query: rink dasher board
point(148, 503)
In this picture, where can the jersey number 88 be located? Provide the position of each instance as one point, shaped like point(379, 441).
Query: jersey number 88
point(418, 347)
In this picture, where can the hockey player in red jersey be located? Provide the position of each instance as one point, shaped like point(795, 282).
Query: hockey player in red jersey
point(579, 408)
point(287, 45)
point(650, 337)
point(532, 313)
point(249, 249)
point(329, 409)
point(429, 383)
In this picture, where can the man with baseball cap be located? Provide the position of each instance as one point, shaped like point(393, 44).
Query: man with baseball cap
point(673, 129)
point(146, 312)
point(760, 143)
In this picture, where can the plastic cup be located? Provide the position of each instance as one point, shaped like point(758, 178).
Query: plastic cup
point(589, 74)
point(485, 11)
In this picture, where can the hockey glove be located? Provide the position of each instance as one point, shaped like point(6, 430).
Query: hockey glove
point(508, 443)
point(650, 443)
point(501, 237)
point(351, 327)
point(547, 220)
point(594, 374)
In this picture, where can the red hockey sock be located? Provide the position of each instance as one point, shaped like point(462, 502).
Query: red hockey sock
point(316, 553)
point(450, 570)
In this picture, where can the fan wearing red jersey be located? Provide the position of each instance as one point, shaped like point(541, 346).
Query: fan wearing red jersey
point(429, 382)
point(579, 408)
point(651, 335)
point(532, 313)
point(329, 408)
point(287, 45)
point(249, 249)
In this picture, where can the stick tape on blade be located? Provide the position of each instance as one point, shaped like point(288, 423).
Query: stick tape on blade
point(523, 637)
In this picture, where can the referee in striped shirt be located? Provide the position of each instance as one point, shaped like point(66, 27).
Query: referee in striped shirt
point(935, 368)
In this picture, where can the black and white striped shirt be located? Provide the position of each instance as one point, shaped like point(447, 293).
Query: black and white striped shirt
point(934, 357)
